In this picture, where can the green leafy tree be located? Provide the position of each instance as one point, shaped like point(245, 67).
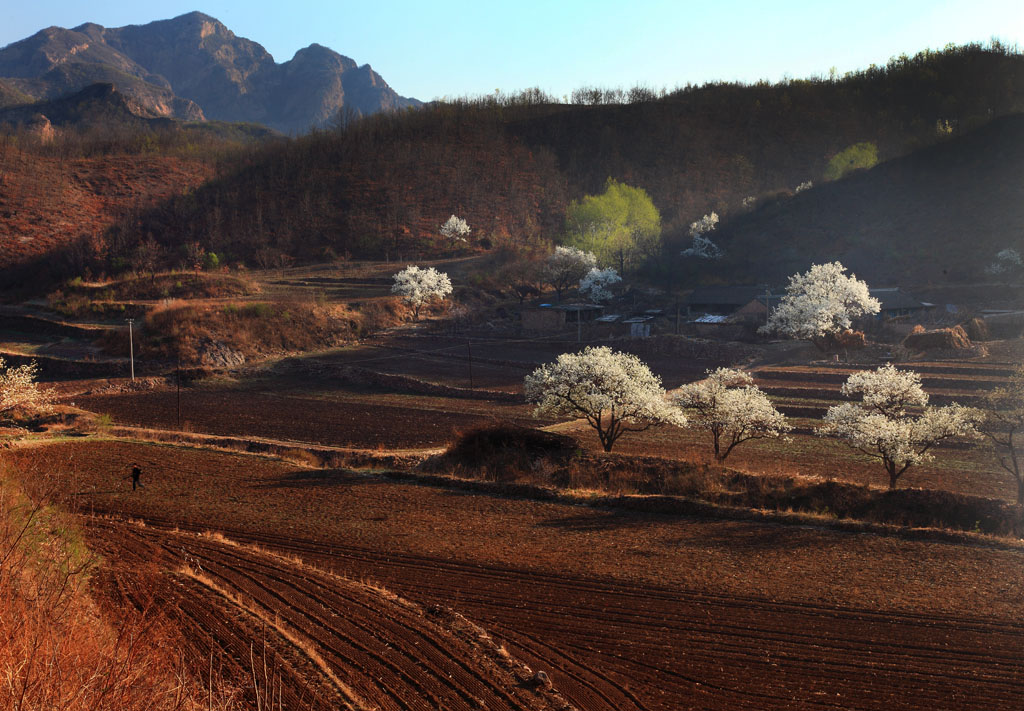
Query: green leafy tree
point(859, 156)
point(621, 225)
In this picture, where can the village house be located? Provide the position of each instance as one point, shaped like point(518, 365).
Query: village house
point(552, 318)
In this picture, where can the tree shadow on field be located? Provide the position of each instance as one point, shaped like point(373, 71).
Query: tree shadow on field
point(710, 533)
point(316, 478)
point(759, 536)
point(604, 521)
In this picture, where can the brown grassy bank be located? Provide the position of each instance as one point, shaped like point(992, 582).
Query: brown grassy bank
point(510, 454)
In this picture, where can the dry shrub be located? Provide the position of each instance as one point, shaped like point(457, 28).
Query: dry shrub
point(173, 285)
point(507, 452)
point(380, 314)
point(850, 340)
point(59, 652)
point(976, 329)
point(303, 458)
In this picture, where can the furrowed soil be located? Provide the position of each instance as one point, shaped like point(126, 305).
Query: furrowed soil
point(624, 610)
point(353, 646)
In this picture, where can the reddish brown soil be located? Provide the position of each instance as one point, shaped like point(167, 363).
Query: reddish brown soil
point(386, 653)
point(45, 201)
point(324, 421)
point(627, 611)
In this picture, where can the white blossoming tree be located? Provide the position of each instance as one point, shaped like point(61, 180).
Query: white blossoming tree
point(20, 391)
point(420, 286)
point(880, 426)
point(615, 392)
point(596, 285)
point(821, 303)
point(455, 230)
point(703, 247)
point(566, 266)
point(1001, 420)
point(729, 406)
point(1008, 261)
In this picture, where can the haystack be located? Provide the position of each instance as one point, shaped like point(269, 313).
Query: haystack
point(976, 329)
point(940, 339)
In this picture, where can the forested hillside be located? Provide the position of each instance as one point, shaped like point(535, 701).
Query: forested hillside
point(939, 215)
point(509, 165)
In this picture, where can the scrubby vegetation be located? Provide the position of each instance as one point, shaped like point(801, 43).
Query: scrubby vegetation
point(232, 333)
point(78, 299)
point(61, 649)
point(511, 454)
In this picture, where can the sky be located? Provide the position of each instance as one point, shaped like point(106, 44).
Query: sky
point(455, 48)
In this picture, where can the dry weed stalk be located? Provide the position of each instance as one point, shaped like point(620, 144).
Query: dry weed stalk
point(266, 687)
point(59, 651)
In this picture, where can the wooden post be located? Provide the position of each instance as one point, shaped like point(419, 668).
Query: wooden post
point(131, 348)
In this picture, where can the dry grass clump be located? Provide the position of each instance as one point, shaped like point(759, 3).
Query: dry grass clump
point(511, 454)
point(59, 652)
point(379, 314)
point(77, 299)
point(167, 285)
point(507, 452)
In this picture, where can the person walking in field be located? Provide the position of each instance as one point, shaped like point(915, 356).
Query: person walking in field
point(136, 476)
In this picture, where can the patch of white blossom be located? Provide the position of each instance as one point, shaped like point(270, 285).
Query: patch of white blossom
point(880, 425)
point(703, 247)
point(728, 405)
point(616, 392)
point(566, 266)
point(596, 285)
point(455, 229)
point(20, 391)
point(820, 302)
point(417, 286)
point(1007, 260)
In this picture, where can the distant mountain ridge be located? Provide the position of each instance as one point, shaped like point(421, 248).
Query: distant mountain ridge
point(193, 67)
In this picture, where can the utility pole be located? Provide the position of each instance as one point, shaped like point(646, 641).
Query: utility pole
point(179, 392)
point(131, 347)
point(469, 349)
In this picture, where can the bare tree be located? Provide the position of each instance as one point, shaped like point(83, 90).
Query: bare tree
point(1001, 420)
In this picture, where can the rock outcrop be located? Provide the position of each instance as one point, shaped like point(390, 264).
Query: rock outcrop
point(193, 67)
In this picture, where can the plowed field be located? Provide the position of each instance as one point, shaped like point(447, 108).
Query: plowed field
point(625, 610)
point(369, 648)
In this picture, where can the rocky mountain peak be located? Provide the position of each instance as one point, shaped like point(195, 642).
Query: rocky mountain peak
point(194, 64)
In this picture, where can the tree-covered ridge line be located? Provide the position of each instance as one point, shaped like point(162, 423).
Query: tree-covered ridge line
point(378, 187)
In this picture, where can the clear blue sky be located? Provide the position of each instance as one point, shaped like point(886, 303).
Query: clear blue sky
point(434, 48)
